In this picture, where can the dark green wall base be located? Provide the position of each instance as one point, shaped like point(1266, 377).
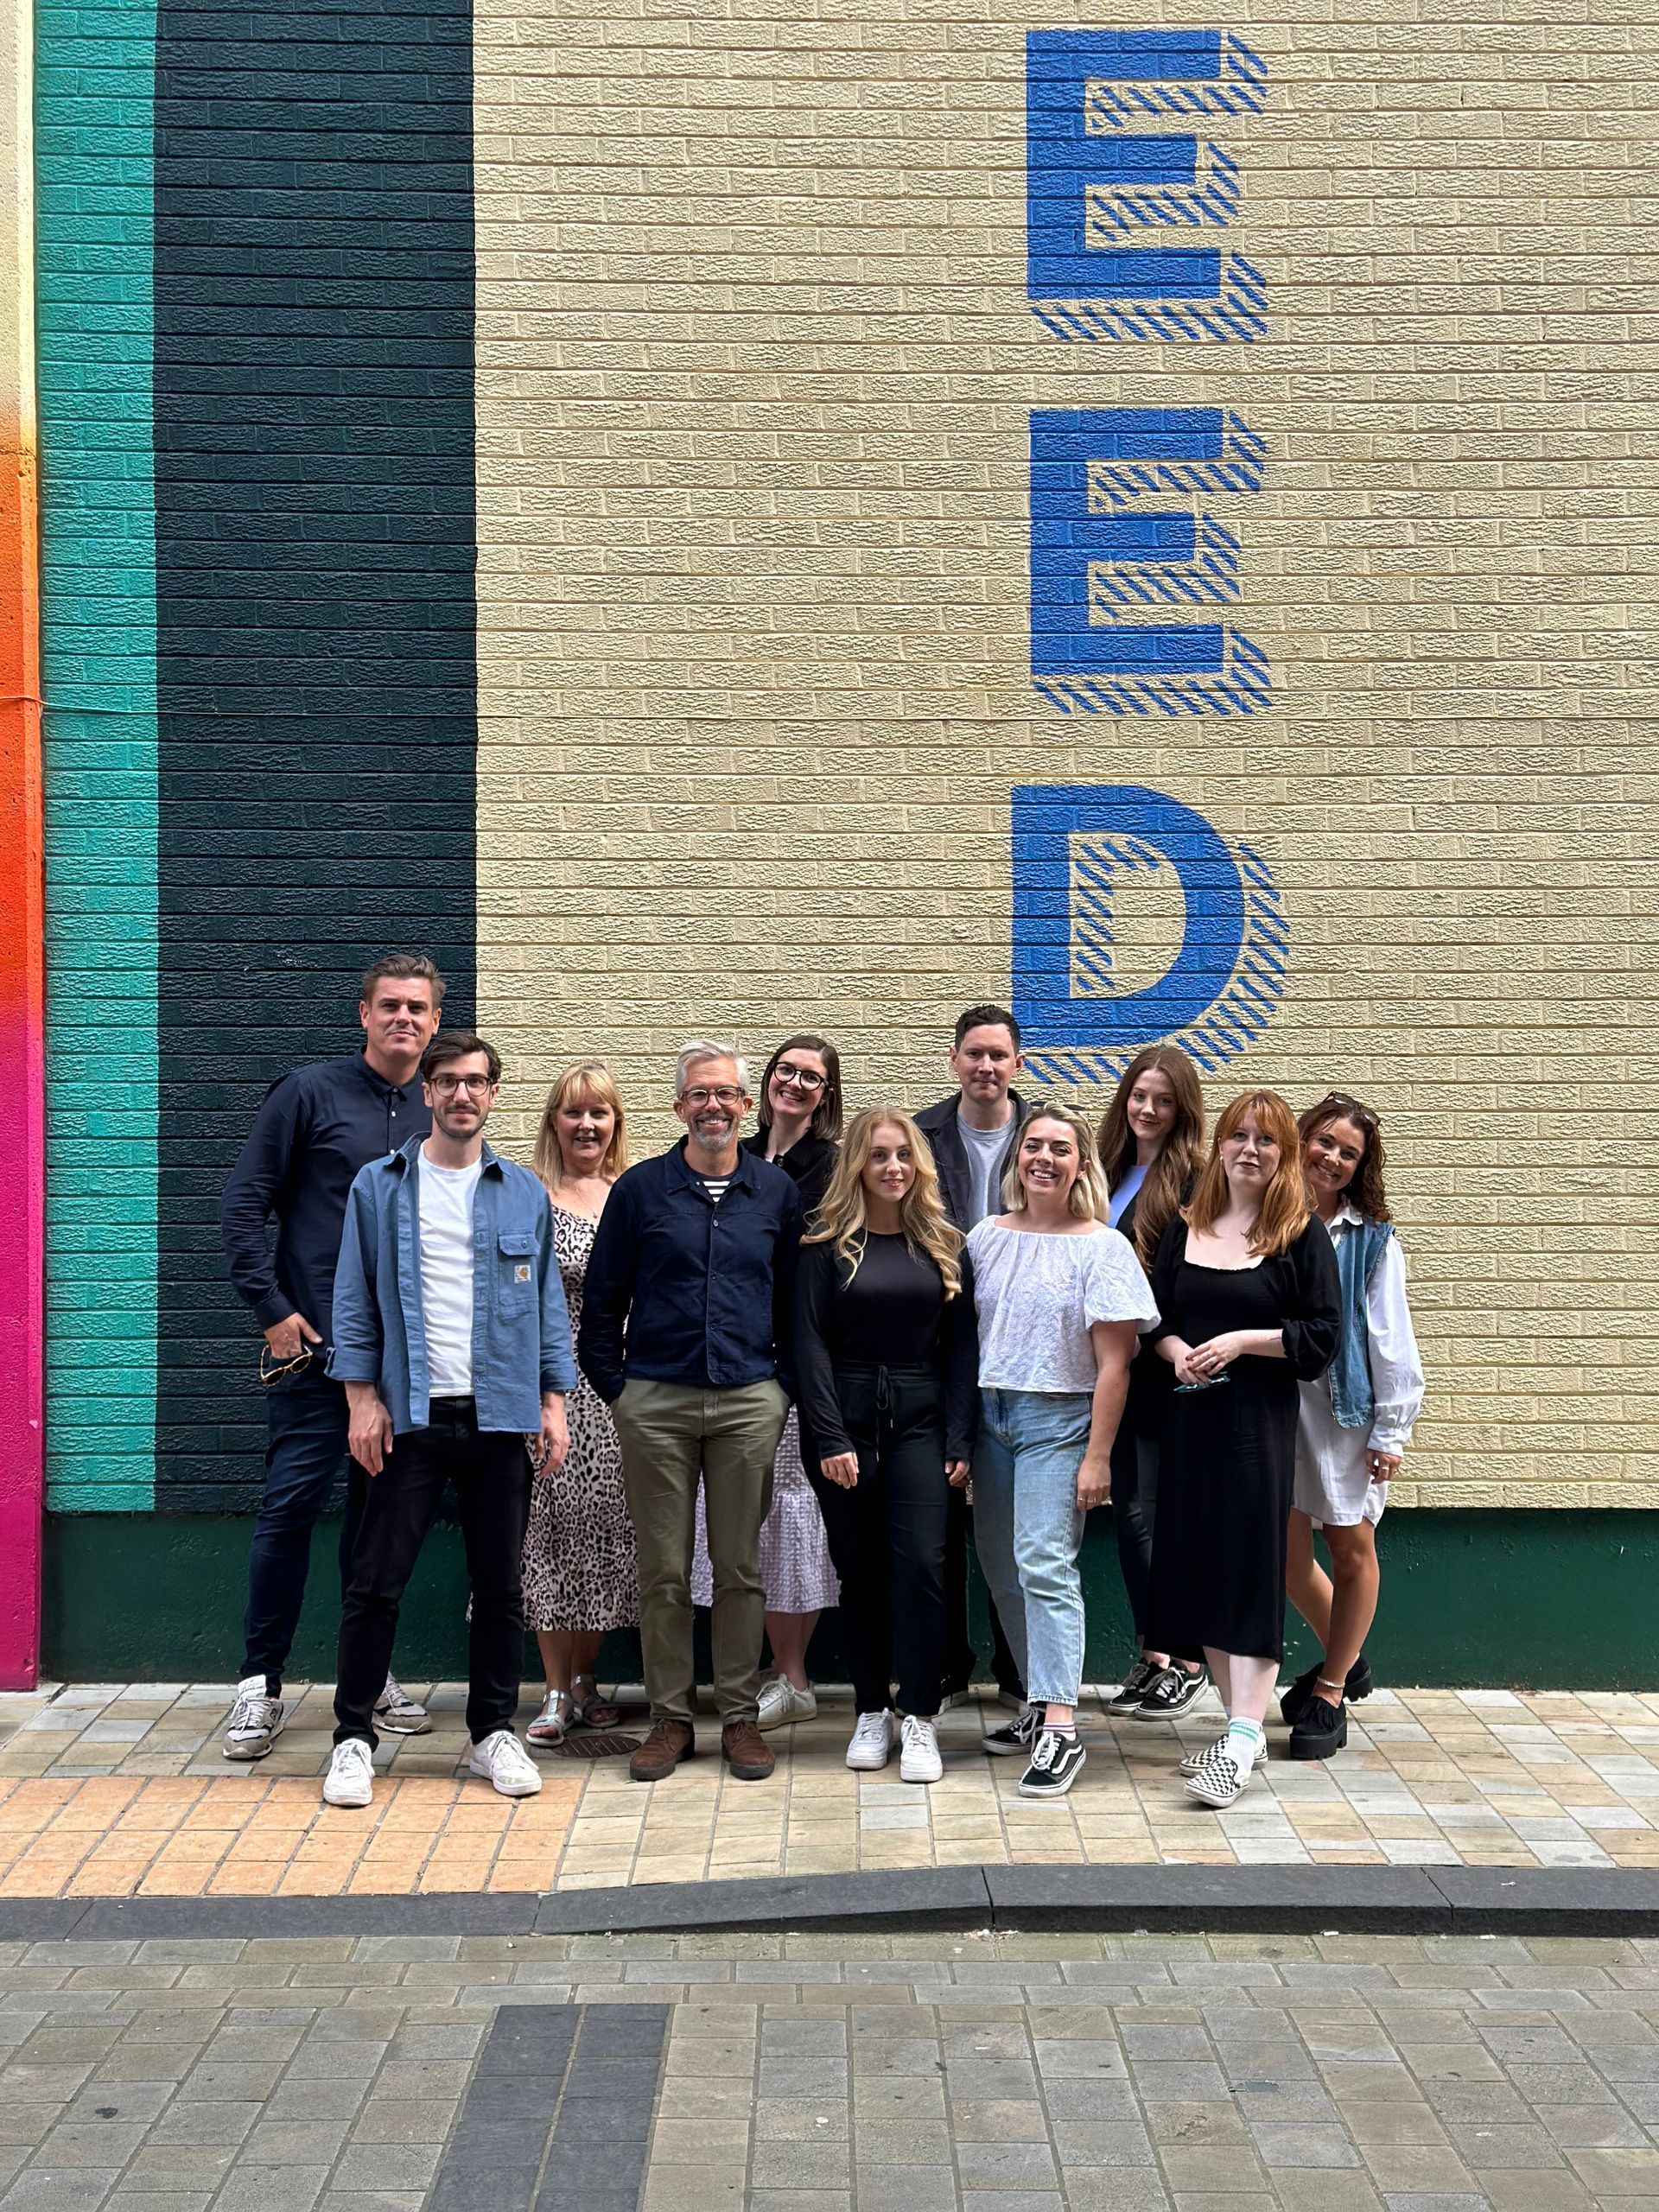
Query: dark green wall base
point(1481, 1600)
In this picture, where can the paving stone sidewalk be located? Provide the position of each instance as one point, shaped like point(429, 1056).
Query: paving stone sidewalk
point(958, 2073)
point(113, 1790)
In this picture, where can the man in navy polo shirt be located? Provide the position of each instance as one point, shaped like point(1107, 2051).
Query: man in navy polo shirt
point(316, 1129)
point(684, 1322)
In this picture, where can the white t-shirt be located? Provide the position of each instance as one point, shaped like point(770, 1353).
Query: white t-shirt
point(446, 1201)
point(984, 1149)
point(1036, 1297)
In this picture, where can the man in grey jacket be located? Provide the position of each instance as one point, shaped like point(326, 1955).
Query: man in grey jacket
point(972, 1136)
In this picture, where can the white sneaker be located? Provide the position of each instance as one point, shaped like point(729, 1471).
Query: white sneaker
point(918, 1754)
point(872, 1744)
point(350, 1778)
point(503, 1762)
point(396, 1713)
point(781, 1702)
point(256, 1721)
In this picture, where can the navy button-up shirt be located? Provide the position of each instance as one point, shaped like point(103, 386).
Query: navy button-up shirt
point(316, 1129)
point(680, 1289)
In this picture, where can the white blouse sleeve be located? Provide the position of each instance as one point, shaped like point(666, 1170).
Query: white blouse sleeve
point(1396, 1365)
point(1116, 1288)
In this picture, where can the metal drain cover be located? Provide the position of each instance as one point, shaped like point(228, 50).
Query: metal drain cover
point(587, 1746)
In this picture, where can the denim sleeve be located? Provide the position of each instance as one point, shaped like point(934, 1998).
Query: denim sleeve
point(558, 1355)
point(359, 1340)
point(250, 1199)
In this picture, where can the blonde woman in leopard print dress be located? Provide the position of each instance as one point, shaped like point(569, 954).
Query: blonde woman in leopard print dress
point(581, 1576)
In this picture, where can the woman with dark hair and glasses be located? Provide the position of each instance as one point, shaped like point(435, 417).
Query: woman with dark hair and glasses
point(799, 1130)
point(1354, 1421)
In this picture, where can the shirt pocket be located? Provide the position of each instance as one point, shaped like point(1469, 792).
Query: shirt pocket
point(515, 1269)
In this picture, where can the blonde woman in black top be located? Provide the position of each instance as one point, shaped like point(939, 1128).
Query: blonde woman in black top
point(887, 1365)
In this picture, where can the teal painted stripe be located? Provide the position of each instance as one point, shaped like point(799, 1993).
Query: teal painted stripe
point(95, 73)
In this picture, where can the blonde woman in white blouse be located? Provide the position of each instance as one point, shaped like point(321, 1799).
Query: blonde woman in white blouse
point(1354, 1422)
point(1061, 1298)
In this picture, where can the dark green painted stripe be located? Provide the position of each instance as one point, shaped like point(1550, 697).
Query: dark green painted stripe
point(315, 546)
point(1473, 1600)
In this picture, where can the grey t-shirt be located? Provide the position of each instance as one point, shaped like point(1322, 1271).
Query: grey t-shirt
point(984, 1149)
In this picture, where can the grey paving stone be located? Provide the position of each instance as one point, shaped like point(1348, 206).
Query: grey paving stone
point(905, 2189)
point(1005, 2166)
point(183, 2166)
point(807, 2163)
point(405, 2168)
point(107, 2143)
point(1093, 2143)
point(59, 2188)
point(1279, 2146)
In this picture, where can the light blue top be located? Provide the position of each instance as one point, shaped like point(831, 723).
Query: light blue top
point(521, 1330)
point(1124, 1195)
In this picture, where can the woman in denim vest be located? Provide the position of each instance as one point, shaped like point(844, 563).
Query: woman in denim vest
point(1354, 1423)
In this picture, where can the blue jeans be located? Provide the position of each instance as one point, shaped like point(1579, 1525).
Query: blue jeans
point(304, 1453)
point(1028, 1531)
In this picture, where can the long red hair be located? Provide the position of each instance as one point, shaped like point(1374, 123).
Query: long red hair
point(1285, 1211)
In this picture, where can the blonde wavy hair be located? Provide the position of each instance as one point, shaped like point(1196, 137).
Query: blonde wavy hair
point(1086, 1200)
point(841, 1220)
point(1285, 1211)
point(594, 1081)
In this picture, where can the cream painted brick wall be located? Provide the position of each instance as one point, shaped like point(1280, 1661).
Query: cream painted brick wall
point(754, 371)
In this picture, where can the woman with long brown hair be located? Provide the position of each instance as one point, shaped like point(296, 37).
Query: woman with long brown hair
point(1151, 1146)
point(580, 1577)
point(1246, 1284)
point(887, 1363)
point(1355, 1421)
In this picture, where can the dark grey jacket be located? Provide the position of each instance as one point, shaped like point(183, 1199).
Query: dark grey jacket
point(939, 1125)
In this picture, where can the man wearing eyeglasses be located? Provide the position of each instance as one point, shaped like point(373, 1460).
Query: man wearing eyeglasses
point(453, 1340)
point(683, 1333)
point(315, 1129)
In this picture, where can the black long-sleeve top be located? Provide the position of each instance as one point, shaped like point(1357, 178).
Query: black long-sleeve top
point(892, 1312)
point(316, 1129)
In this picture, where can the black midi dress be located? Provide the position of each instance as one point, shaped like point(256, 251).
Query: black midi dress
point(1229, 1461)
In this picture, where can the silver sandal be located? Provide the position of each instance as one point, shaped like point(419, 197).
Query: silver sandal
point(584, 1711)
point(554, 1722)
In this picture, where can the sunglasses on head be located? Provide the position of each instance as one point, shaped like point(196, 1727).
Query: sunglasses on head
point(1337, 1105)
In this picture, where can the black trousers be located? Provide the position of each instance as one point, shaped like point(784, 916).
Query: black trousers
point(887, 1535)
point(961, 1658)
point(490, 1469)
point(306, 1449)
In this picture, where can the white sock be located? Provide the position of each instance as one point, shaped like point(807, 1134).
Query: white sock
point(1247, 1742)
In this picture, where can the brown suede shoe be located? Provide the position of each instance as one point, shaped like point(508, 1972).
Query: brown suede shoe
point(669, 1742)
point(745, 1750)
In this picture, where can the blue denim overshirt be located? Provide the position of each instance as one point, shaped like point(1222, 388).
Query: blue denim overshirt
point(521, 1330)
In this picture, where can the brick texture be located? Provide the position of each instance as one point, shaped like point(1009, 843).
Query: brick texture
point(755, 372)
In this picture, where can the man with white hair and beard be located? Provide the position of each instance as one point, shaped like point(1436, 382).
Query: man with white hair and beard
point(684, 1330)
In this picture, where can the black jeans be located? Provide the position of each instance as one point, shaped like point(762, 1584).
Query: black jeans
point(1135, 1502)
point(305, 1448)
point(490, 1469)
point(887, 1535)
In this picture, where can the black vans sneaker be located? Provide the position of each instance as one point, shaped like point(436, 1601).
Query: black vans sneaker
point(1321, 1730)
point(1017, 1735)
point(1139, 1680)
point(1056, 1762)
point(1170, 1692)
point(1358, 1685)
